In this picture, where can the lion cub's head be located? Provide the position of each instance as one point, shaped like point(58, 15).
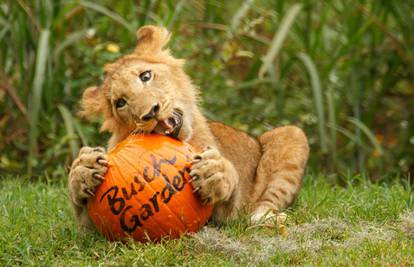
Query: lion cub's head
point(145, 91)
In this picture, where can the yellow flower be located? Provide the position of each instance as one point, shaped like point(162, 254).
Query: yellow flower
point(376, 153)
point(113, 48)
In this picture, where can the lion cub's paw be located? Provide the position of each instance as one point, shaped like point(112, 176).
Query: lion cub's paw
point(87, 173)
point(210, 177)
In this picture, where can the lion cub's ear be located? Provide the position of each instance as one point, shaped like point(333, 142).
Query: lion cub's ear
point(93, 103)
point(151, 39)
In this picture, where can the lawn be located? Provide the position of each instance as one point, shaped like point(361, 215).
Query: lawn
point(361, 223)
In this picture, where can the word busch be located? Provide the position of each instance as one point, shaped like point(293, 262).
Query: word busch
point(117, 201)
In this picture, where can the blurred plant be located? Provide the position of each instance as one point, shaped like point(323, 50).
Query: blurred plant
point(342, 70)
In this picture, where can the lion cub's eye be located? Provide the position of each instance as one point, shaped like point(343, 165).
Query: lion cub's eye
point(119, 103)
point(145, 76)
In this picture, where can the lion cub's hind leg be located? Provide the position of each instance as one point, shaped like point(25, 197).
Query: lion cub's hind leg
point(279, 173)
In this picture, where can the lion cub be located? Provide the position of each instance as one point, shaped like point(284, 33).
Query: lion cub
point(148, 91)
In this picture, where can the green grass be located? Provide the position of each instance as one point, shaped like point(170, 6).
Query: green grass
point(362, 223)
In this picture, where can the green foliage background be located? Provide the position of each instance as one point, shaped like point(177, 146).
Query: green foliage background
point(343, 70)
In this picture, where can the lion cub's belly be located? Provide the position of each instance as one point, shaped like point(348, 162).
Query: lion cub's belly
point(242, 150)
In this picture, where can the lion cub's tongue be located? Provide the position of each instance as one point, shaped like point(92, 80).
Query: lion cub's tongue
point(164, 127)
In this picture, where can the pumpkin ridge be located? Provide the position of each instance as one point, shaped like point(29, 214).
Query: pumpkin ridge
point(118, 157)
point(153, 190)
point(182, 150)
point(167, 206)
point(175, 149)
point(146, 195)
point(112, 181)
point(187, 204)
point(146, 160)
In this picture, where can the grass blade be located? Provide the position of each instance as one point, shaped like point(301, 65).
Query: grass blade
point(70, 129)
point(278, 39)
point(69, 40)
point(174, 15)
point(350, 135)
point(368, 134)
point(36, 101)
point(317, 96)
point(81, 133)
point(115, 16)
point(240, 14)
point(332, 121)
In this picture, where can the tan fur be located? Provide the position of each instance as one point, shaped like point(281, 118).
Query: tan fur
point(233, 170)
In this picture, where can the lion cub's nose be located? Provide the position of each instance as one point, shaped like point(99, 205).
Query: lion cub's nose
point(153, 112)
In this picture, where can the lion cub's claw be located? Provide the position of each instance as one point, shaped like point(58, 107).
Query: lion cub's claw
point(98, 176)
point(87, 173)
point(102, 161)
point(209, 177)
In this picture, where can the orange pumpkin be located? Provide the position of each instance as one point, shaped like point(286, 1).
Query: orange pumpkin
point(146, 193)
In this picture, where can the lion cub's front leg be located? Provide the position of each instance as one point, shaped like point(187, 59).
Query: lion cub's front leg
point(87, 172)
point(215, 179)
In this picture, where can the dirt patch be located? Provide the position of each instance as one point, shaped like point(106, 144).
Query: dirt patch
point(213, 239)
point(407, 223)
point(308, 237)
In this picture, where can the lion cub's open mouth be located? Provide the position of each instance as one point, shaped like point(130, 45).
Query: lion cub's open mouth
point(170, 126)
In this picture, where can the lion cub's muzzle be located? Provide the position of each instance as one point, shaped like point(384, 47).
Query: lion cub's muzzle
point(170, 126)
point(152, 113)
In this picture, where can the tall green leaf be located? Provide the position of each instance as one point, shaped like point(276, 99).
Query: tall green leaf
point(70, 129)
point(332, 121)
point(37, 88)
point(317, 96)
point(278, 39)
point(240, 14)
point(368, 133)
point(109, 13)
